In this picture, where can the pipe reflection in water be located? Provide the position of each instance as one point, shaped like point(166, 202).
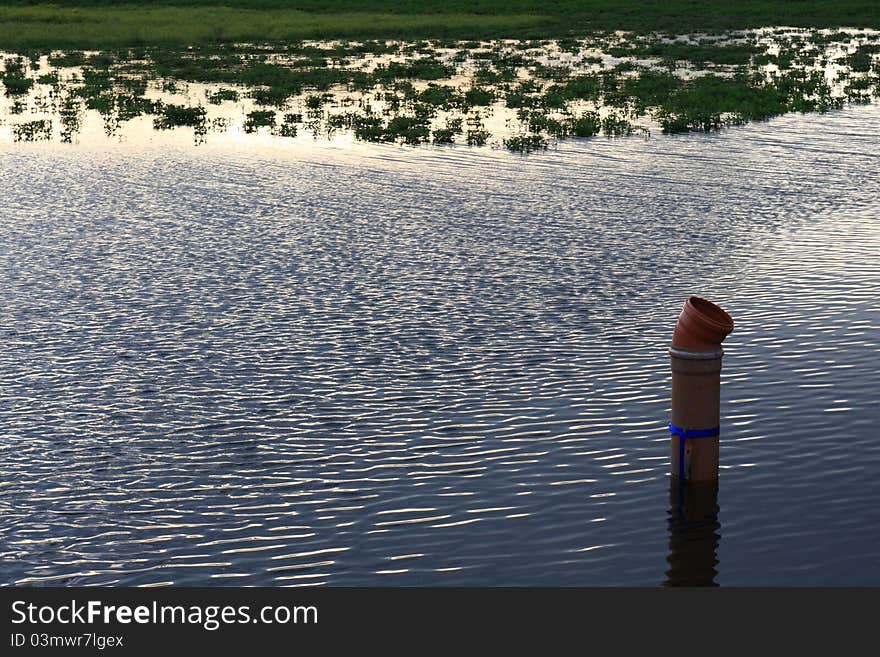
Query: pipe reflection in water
point(694, 533)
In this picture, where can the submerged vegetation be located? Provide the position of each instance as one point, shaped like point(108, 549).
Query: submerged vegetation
point(521, 95)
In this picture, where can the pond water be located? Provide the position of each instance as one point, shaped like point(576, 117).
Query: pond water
point(244, 364)
point(518, 95)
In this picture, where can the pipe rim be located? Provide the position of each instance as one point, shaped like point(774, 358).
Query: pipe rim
point(710, 314)
point(696, 355)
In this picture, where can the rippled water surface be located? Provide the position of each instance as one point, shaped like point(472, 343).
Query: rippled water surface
point(382, 365)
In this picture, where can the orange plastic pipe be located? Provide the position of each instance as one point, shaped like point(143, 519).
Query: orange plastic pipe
point(702, 326)
point(696, 389)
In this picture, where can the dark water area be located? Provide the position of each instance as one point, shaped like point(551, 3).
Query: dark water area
point(438, 366)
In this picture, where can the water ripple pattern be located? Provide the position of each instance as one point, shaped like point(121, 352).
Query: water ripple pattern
point(394, 366)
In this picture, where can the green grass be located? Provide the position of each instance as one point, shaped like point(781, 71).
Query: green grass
point(44, 26)
point(103, 24)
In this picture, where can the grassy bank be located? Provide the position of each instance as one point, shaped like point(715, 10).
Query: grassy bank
point(105, 28)
point(107, 24)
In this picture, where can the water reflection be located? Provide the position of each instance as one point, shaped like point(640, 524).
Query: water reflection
point(519, 95)
point(403, 334)
point(694, 533)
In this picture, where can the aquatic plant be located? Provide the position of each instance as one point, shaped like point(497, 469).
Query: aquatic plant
point(100, 60)
point(554, 98)
point(69, 114)
point(16, 84)
point(50, 78)
point(316, 101)
point(179, 115)
point(584, 87)
point(586, 125)
point(703, 53)
point(549, 72)
point(39, 130)
point(479, 97)
point(487, 75)
point(67, 59)
point(440, 95)
point(259, 119)
point(410, 129)
point(272, 96)
point(14, 79)
point(523, 95)
point(477, 137)
point(123, 107)
point(221, 95)
point(614, 125)
point(651, 88)
point(861, 60)
point(569, 45)
point(421, 69)
point(443, 136)
point(525, 143)
point(288, 126)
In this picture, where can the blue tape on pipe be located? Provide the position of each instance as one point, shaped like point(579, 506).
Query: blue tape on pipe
point(694, 433)
point(684, 434)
